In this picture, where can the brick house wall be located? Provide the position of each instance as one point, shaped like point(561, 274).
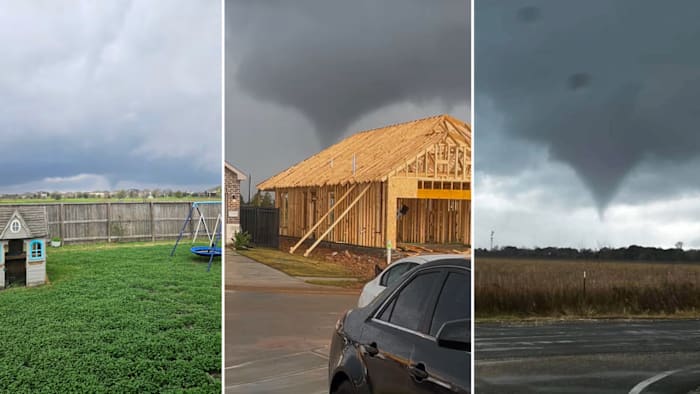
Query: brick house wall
point(232, 193)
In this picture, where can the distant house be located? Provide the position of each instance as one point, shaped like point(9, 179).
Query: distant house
point(405, 183)
point(232, 180)
point(212, 192)
point(24, 230)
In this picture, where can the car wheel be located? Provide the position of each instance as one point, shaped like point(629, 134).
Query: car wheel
point(345, 387)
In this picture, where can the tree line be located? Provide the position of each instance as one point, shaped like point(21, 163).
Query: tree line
point(259, 199)
point(630, 253)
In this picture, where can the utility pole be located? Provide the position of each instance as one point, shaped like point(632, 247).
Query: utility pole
point(492, 232)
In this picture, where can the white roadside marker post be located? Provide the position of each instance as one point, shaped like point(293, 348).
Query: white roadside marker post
point(388, 253)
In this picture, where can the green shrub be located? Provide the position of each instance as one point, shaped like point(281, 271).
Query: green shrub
point(241, 240)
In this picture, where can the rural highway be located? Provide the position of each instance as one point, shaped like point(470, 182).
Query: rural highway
point(642, 356)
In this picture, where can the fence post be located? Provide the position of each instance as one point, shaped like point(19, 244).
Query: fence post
point(192, 222)
point(109, 222)
point(153, 223)
point(62, 220)
point(257, 224)
point(276, 228)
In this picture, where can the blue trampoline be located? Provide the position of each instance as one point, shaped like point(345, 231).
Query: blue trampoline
point(206, 251)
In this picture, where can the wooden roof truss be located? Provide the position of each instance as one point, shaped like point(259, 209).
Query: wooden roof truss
point(447, 159)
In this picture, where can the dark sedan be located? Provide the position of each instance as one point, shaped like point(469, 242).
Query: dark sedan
point(413, 338)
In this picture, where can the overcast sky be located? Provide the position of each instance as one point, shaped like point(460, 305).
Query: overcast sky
point(586, 127)
point(301, 75)
point(110, 95)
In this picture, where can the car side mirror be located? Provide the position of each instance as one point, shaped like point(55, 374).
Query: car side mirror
point(455, 335)
point(377, 270)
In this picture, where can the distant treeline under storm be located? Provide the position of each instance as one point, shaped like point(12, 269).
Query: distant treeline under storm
point(630, 253)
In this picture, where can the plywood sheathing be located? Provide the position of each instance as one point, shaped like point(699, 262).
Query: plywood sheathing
point(340, 217)
point(330, 211)
point(380, 153)
point(363, 225)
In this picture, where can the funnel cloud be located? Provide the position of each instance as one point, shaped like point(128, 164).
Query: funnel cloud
point(336, 61)
point(302, 75)
point(586, 122)
point(604, 87)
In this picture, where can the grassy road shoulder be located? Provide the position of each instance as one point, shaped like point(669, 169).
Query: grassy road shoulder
point(525, 289)
point(313, 271)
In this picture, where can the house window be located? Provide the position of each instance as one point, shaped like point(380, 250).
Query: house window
point(36, 250)
point(15, 226)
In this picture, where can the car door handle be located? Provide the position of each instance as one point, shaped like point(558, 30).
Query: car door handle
point(418, 371)
point(371, 349)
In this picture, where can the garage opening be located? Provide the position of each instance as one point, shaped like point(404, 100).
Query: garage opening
point(432, 221)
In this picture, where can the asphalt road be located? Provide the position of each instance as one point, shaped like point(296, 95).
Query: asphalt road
point(279, 342)
point(277, 330)
point(589, 357)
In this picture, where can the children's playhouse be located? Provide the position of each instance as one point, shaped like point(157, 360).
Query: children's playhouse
point(23, 234)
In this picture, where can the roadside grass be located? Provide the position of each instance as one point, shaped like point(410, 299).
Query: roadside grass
point(346, 284)
point(296, 265)
point(510, 289)
point(101, 200)
point(114, 318)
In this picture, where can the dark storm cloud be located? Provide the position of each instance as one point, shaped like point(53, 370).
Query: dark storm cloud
point(336, 61)
point(67, 157)
point(608, 88)
point(110, 95)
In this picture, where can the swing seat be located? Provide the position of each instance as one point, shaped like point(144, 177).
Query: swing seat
point(206, 251)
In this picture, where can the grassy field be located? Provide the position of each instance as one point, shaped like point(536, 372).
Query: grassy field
point(101, 200)
point(114, 318)
point(555, 288)
point(297, 265)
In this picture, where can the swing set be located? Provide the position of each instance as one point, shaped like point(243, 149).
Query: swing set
point(214, 237)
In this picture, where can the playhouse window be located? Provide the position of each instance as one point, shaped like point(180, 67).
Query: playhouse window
point(15, 226)
point(36, 250)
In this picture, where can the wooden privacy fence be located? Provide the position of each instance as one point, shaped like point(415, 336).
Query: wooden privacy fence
point(125, 221)
point(262, 224)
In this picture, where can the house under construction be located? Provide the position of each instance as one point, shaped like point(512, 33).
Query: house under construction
point(405, 183)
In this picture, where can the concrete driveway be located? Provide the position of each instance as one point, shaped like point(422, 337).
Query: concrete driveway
point(277, 329)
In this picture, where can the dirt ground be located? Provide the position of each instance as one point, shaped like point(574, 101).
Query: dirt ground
point(360, 264)
point(362, 261)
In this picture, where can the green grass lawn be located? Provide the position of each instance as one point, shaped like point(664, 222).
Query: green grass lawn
point(114, 318)
point(296, 265)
